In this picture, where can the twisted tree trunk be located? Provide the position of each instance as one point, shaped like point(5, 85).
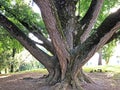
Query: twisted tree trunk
point(71, 44)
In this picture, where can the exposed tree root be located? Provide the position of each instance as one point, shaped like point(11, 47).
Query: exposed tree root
point(60, 86)
point(74, 84)
point(66, 86)
point(53, 80)
point(50, 79)
point(84, 78)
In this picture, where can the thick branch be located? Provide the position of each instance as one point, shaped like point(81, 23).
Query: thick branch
point(89, 19)
point(106, 30)
point(53, 26)
point(66, 12)
point(32, 28)
point(114, 37)
point(26, 42)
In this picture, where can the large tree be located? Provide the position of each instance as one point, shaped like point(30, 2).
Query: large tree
point(73, 38)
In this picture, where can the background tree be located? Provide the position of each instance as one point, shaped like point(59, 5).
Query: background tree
point(108, 51)
point(100, 57)
point(26, 61)
point(75, 35)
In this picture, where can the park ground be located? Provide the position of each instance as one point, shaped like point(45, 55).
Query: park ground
point(104, 77)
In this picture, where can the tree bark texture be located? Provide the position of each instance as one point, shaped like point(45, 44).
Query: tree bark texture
point(71, 44)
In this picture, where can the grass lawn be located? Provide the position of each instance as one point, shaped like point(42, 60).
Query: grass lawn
point(104, 68)
point(114, 70)
point(42, 71)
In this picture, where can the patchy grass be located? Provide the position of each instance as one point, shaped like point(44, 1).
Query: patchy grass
point(115, 70)
point(111, 71)
point(116, 76)
point(105, 68)
point(43, 71)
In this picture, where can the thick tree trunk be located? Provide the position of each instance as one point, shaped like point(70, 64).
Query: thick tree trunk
point(69, 82)
point(71, 51)
point(54, 29)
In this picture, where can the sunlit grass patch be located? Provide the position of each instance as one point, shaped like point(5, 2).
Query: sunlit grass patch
point(42, 71)
point(4, 76)
point(105, 68)
point(116, 76)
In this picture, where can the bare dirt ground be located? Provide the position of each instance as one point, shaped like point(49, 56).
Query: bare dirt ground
point(103, 81)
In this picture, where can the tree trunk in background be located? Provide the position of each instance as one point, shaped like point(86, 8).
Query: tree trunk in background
point(100, 57)
point(11, 68)
point(6, 70)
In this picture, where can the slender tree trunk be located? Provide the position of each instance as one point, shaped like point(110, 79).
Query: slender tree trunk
point(100, 57)
point(6, 70)
point(11, 68)
point(107, 61)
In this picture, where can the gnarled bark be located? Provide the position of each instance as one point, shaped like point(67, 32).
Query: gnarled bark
point(53, 26)
point(69, 56)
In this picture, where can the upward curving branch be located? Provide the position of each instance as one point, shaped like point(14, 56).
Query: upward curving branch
point(89, 19)
point(114, 37)
point(104, 32)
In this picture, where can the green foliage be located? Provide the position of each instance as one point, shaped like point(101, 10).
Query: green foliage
point(108, 51)
point(19, 12)
point(30, 65)
point(4, 60)
point(105, 11)
point(84, 5)
point(7, 43)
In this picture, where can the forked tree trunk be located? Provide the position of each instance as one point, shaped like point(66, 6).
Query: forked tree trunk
point(71, 45)
point(69, 82)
